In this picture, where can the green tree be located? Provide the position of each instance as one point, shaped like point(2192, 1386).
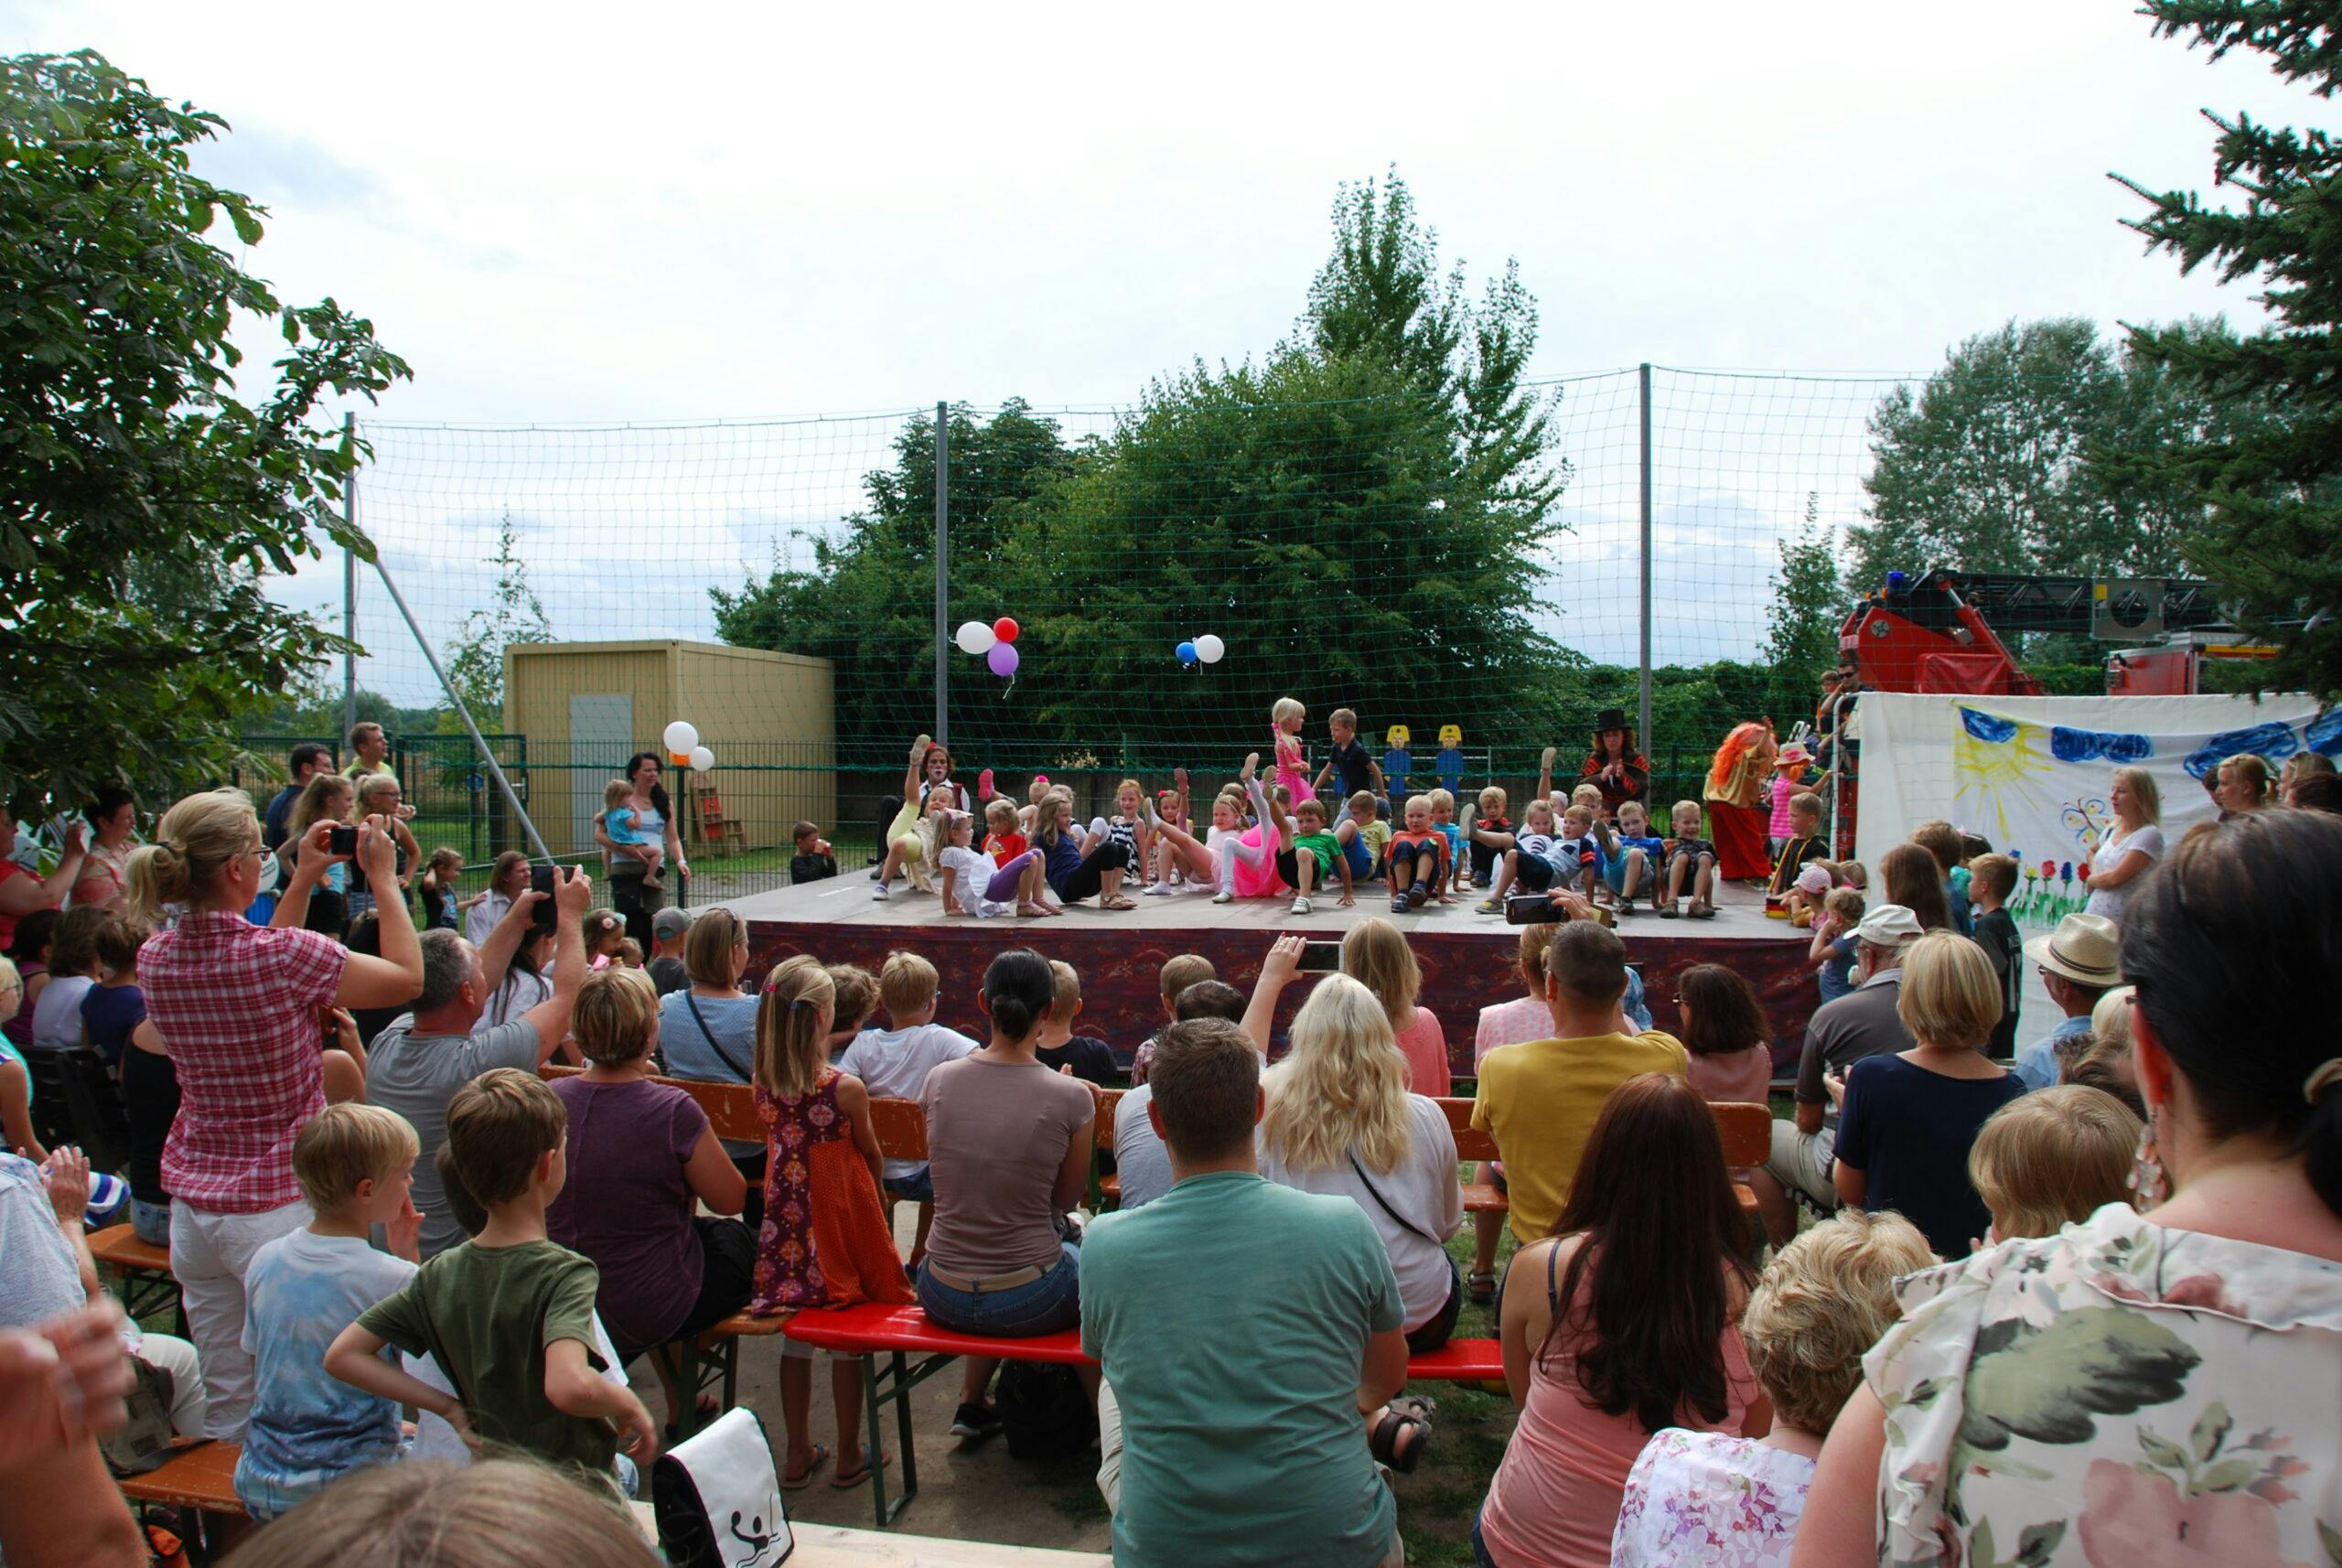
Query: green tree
point(2272, 535)
point(143, 500)
point(1801, 623)
point(475, 653)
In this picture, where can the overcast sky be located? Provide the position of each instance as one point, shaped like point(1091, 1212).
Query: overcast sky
point(591, 211)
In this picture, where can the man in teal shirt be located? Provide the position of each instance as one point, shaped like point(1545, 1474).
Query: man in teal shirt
point(1243, 1328)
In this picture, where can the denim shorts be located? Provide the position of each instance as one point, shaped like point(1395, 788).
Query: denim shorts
point(151, 1222)
point(917, 1188)
point(1047, 1305)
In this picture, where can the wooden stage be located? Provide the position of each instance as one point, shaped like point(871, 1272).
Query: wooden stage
point(1468, 960)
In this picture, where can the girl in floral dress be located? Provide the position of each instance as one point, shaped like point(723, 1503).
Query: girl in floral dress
point(824, 1241)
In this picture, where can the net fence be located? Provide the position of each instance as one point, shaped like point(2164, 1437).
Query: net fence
point(1173, 567)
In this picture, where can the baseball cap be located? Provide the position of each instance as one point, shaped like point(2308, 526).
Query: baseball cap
point(670, 922)
point(1888, 926)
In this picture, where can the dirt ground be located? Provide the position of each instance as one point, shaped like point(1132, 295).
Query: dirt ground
point(975, 1491)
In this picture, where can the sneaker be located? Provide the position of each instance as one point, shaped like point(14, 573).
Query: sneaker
point(1418, 896)
point(1398, 903)
point(1223, 898)
point(975, 1421)
point(1300, 907)
point(879, 892)
point(1488, 907)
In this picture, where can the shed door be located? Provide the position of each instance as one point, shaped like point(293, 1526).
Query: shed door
point(601, 738)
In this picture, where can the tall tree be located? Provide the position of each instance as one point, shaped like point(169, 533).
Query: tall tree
point(2273, 537)
point(475, 653)
point(1801, 623)
point(142, 497)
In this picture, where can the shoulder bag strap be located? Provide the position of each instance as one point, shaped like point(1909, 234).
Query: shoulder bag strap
point(713, 1043)
point(1376, 1193)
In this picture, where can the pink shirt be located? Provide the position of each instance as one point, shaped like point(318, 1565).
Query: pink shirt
point(237, 1006)
point(1511, 1023)
point(1424, 1045)
point(1555, 1498)
point(1743, 1077)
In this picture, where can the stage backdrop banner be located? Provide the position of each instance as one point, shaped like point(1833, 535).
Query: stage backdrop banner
point(2031, 775)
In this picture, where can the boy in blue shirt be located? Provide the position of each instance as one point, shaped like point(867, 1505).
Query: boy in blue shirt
point(354, 1164)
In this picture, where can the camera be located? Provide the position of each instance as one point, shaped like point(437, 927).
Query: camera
point(1321, 958)
point(1540, 909)
point(342, 840)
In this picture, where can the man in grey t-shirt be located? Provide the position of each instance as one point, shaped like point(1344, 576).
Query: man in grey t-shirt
point(424, 1056)
point(1862, 1022)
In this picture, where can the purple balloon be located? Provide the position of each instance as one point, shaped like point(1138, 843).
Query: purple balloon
point(1002, 660)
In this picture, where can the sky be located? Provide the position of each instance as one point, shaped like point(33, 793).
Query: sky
point(595, 213)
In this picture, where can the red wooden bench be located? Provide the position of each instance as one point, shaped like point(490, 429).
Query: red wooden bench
point(900, 1333)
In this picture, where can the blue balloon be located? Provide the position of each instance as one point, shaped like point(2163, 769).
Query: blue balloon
point(1187, 653)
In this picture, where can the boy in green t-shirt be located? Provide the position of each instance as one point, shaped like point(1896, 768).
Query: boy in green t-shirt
point(508, 1315)
point(1314, 853)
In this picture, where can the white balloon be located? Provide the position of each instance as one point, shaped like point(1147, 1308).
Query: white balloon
point(975, 637)
point(681, 736)
point(701, 759)
point(1209, 649)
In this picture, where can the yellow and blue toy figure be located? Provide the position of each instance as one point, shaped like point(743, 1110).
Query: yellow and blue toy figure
point(1397, 763)
point(1451, 758)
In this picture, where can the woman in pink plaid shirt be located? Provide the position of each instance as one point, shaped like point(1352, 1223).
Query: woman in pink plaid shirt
point(242, 1009)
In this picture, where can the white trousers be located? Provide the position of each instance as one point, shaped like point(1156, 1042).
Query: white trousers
point(210, 1253)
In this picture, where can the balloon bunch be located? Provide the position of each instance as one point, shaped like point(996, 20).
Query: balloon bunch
point(996, 643)
point(684, 749)
point(1204, 649)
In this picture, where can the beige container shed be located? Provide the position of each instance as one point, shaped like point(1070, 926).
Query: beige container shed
point(586, 707)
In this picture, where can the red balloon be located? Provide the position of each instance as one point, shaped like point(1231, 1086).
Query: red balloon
point(1005, 628)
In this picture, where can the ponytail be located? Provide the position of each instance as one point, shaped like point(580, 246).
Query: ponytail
point(1019, 990)
point(196, 841)
point(793, 1027)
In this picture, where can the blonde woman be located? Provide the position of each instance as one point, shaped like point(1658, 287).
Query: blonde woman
point(1701, 1498)
point(378, 796)
point(1909, 1119)
point(1375, 953)
point(1340, 1121)
point(2242, 783)
point(2135, 843)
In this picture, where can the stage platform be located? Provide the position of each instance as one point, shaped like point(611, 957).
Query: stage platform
point(1468, 959)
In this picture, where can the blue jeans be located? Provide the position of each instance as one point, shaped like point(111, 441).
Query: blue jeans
point(917, 1188)
point(1049, 1304)
point(151, 1222)
point(1480, 1548)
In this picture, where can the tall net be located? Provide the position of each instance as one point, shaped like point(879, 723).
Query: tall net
point(772, 584)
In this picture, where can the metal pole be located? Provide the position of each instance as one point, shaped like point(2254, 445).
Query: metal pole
point(942, 575)
point(1643, 698)
point(464, 714)
point(348, 590)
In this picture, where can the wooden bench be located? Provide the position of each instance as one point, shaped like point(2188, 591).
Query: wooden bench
point(886, 1338)
point(1746, 1132)
point(142, 1273)
point(199, 1477)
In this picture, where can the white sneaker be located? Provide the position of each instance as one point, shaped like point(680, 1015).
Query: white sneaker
point(1300, 907)
point(1223, 896)
point(879, 893)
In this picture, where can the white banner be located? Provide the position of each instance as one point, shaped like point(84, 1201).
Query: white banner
point(2030, 775)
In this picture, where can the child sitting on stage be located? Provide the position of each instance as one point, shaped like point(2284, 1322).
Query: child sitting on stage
point(1004, 833)
point(1525, 864)
point(1576, 854)
point(1312, 852)
point(1490, 835)
point(1373, 836)
point(977, 886)
point(1692, 860)
point(1443, 822)
point(1804, 843)
point(1630, 861)
point(1418, 859)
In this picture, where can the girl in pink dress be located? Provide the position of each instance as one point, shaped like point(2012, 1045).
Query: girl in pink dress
point(1292, 762)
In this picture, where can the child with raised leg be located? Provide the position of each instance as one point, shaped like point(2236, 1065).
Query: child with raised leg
point(1528, 865)
point(902, 841)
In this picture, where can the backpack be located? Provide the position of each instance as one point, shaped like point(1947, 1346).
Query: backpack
point(1043, 1410)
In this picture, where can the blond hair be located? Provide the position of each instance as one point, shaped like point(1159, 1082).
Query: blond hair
point(345, 1144)
point(857, 990)
point(1845, 903)
point(1342, 1086)
point(1182, 970)
point(369, 786)
point(1285, 708)
point(906, 983)
point(1000, 809)
point(2146, 791)
point(1492, 793)
point(1820, 1306)
point(792, 1028)
point(1993, 873)
point(615, 1015)
point(1805, 803)
point(2109, 1022)
point(1949, 997)
point(196, 841)
point(313, 804)
point(492, 1513)
point(1364, 801)
point(1346, 718)
point(617, 793)
point(1375, 953)
point(1442, 798)
point(1065, 990)
point(1589, 796)
point(2053, 1157)
point(2252, 768)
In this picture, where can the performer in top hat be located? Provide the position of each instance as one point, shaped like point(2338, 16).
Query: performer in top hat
point(1614, 765)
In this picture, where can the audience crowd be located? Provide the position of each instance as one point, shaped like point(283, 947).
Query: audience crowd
point(2077, 1303)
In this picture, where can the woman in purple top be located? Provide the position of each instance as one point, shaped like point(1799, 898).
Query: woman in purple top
point(641, 1157)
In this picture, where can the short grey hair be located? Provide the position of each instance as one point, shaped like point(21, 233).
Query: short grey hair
point(446, 967)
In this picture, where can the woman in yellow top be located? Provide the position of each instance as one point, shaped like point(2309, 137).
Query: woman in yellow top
point(1734, 794)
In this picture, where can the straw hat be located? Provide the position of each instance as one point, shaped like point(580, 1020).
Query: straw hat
point(2084, 949)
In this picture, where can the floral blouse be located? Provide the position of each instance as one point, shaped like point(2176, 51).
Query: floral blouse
point(1708, 1500)
point(2118, 1394)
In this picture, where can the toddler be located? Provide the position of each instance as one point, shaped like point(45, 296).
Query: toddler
point(1528, 863)
point(1490, 835)
point(1831, 951)
point(892, 1063)
point(1373, 836)
point(603, 929)
point(1418, 859)
point(627, 954)
point(1690, 860)
point(354, 1164)
point(2053, 1158)
point(508, 1315)
point(1443, 822)
point(1292, 762)
point(1004, 838)
point(812, 860)
point(1631, 857)
point(979, 887)
point(1990, 881)
point(622, 823)
point(441, 905)
point(1805, 895)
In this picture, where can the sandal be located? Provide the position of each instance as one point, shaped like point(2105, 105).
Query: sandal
point(1668, 912)
point(1398, 1440)
point(844, 1482)
point(804, 1479)
point(1481, 1287)
point(1117, 902)
point(1699, 911)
